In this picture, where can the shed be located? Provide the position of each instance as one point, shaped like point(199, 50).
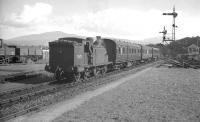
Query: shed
point(193, 50)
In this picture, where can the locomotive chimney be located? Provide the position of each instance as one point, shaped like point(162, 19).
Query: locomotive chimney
point(98, 41)
point(98, 38)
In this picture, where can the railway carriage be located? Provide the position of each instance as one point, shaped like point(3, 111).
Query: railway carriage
point(146, 53)
point(122, 53)
point(156, 53)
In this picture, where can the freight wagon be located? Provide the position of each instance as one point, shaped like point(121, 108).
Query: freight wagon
point(13, 54)
point(8, 53)
point(33, 53)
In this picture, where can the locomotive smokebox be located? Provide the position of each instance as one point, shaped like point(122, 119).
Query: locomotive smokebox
point(98, 37)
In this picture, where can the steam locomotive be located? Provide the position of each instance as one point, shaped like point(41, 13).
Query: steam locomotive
point(84, 57)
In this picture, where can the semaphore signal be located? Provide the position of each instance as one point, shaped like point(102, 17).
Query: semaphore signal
point(174, 15)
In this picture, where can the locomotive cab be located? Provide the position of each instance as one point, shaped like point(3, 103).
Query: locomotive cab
point(66, 53)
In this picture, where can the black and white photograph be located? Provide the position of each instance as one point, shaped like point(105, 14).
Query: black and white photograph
point(99, 61)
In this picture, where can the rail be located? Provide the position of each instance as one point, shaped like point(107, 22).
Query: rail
point(4, 61)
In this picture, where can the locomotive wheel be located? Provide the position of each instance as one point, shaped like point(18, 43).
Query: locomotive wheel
point(104, 70)
point(77, 77)
point(86, 75)
point(57, 75)
point(94, 71)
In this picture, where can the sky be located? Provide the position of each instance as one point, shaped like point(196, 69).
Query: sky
point(130, 19)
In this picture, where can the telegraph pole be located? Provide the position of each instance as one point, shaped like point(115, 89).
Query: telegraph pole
point(174, 15)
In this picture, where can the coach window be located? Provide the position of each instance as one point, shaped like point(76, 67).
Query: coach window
point(119, 50)
point(123, 50)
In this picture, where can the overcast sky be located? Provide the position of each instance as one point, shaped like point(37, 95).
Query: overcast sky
point(131, 19)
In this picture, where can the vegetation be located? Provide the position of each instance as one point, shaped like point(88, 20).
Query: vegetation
point(177, 47)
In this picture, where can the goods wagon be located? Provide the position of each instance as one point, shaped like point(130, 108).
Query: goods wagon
point(9, 51)
point(30, 52)
point(12, 53)
point(9, 54)
point(24, 51)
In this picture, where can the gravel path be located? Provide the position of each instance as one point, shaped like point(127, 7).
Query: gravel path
point(159, 95)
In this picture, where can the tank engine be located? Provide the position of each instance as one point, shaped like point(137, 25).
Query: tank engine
point(77, 57)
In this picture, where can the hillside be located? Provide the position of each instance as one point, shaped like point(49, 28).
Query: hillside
point(38, 39)
point(180, 46)
point(153, 40)
point(177, 47)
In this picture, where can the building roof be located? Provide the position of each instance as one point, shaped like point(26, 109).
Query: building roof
point(193, 46)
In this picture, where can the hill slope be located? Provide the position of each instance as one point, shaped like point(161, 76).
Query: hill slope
point(180, 46)
point(38, 39)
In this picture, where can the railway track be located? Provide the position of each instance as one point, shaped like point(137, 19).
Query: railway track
point(22, 95)
point(17, 90)
point(49, 90)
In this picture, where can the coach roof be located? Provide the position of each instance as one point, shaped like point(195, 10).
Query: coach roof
point(122, 42)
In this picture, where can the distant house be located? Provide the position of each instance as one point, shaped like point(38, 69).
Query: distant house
point(193, 49)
